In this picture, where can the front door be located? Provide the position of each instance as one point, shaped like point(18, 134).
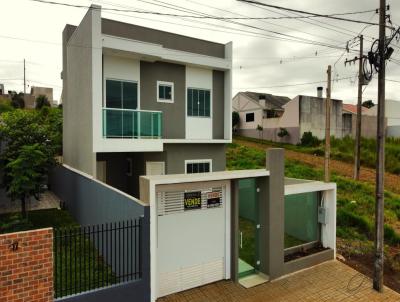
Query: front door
point(248, 228)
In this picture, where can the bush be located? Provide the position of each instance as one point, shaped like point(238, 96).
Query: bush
point(283, 132)
point(42, 101)
point(309, 140)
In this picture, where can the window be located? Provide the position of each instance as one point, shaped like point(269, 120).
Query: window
point(198, 166)
point(267, 113)
point(198, 102)
point(249, 117)
point(165, 92)
point(301, 220)
point(121, 94)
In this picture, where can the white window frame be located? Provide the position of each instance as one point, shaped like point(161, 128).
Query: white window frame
point(172, 92)
point(198, 161)
point(254, 117)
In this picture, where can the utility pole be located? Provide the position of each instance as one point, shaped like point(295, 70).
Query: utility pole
point(24, 84)
point(380, 161)
point(357, 148)
point(328, 125)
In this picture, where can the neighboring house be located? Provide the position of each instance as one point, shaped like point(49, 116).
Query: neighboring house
point(368, 121)
point(280, 115)
point(139, 101)
point(30, 99)
point(392, 112)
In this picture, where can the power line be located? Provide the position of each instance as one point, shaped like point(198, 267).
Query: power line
point(291, 85)
point(193, 16)
point(308, 13)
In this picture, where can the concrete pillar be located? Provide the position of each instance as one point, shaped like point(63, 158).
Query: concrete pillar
point(275, 212)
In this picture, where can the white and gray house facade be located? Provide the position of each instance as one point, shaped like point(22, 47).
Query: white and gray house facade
point(139, 101)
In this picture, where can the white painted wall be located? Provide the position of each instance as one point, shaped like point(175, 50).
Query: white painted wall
point(199, 127)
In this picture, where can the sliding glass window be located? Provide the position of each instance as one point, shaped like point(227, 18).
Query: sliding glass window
point(198, 102)
point(121, 94)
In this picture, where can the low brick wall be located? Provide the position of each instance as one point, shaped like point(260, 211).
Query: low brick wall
point(26, 266)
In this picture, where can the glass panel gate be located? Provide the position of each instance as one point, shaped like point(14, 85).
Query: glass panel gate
point(248, 228)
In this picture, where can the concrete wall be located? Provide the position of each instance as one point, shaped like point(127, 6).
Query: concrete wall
point(77, 96)
point(166, 39)
point(393, 131)
point(90, 201)
point(368, 126)
point(312, 117)
point(218, 104)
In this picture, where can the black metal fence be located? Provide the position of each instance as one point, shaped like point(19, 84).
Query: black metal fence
point(97, 256)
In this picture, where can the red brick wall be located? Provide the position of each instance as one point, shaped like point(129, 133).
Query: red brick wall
point(26, 274)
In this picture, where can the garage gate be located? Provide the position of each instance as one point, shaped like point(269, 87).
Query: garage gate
point(193, 234)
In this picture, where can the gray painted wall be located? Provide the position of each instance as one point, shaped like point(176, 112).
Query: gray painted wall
point(178, 153)
point(173, 114)
point(312, 116)
point(91, 202)
point(167, 39)
point(218, 99)
point(77, 96)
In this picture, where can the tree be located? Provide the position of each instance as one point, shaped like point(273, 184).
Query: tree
point(27, 173)
point(283, 132)
point(17, 100)
point(5, 105)
point(235, 119)
point(42, 101)
point(23, 130)
point(368, 104)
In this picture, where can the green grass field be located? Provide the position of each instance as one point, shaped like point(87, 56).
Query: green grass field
point(343, 149)
point(355, 200)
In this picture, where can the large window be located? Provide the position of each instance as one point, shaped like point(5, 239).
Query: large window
point(121, 94)
point(198, 166)
point(198, 102)
point(301, 219)
point(165, 92)
point(249, 117)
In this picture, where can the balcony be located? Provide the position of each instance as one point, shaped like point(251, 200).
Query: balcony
point(128, 123)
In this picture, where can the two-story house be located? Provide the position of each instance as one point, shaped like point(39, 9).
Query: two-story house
point(139, 101)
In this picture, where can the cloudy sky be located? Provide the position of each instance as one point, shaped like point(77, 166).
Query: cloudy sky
point(33, 30)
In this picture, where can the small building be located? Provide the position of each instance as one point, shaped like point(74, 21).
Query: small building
point(368, 121)
point(280, 119)
point(392, 112)
point(30, 99)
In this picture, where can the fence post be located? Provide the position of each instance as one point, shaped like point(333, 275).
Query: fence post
point(144, 248)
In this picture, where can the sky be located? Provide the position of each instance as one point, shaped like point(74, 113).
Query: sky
point(32, 31)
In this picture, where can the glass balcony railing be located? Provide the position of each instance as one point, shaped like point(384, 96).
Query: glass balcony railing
point(128, 123)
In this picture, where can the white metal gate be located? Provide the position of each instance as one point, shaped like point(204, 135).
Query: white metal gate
point(191, 242)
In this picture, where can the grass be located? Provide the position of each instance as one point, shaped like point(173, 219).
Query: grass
point(343, 149)
point(37, 219)
point(355, 200)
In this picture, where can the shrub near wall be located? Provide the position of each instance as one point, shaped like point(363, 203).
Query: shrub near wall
point(26, 266)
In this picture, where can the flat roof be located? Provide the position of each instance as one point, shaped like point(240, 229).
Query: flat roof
point(211, 176)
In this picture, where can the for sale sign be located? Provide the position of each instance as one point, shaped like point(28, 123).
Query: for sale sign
point(192, 200)
point(213, 199)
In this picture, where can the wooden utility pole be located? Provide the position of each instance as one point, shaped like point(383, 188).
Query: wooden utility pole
point(328, 126)
point(380, 154)
point(357, 147)
point(24, 84)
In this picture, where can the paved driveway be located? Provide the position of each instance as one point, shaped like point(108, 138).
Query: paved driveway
point(330, 281)
point(47, 201)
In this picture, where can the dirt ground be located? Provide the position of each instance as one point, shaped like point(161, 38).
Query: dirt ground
point(392, 181)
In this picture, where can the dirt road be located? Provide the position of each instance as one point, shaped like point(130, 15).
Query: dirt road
point(392, 181)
